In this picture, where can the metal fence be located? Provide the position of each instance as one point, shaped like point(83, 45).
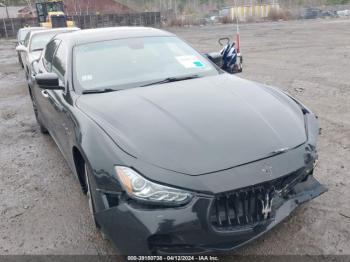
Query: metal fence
point(9, 27)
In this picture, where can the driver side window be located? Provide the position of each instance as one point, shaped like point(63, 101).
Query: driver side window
point(49, 52)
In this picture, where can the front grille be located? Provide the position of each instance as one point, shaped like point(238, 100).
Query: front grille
point(249, 207)
point(59, 21)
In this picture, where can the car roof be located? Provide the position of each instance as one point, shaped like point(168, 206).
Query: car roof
point(110, 33)
point(31, 28)
point(58, 30)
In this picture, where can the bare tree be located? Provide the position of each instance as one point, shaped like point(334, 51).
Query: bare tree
point(5, 4)
point(30, 6)
point(87, 7)
point(75, 7)
point(79, 5)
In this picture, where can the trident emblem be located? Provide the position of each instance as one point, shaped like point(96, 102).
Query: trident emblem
point(266, 205)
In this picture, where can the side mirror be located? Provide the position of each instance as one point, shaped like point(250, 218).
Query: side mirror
point(21, 48)
point(216, 58)
point(48, 81)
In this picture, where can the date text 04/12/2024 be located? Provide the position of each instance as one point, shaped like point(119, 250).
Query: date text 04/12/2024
point(172, 258)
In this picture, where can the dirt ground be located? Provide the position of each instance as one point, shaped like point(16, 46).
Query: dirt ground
point(42, 210)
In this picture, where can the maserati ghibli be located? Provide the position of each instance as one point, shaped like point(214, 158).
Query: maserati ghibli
point(175, 155)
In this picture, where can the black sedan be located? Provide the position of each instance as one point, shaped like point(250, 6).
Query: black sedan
point(175, 155)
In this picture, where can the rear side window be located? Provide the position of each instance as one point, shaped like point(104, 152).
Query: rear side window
point(39, 41)
point(49, 53)
point(60, 60)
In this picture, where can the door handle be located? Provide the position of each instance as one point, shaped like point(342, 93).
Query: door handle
point(45, 93)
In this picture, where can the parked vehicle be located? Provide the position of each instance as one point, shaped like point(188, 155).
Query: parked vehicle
point(174, 154)
point(34, 43)
point(313, 13)
point(51, 14)
point(21, 35)
point(343, 13)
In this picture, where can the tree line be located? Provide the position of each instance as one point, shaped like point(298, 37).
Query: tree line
point(182, 5)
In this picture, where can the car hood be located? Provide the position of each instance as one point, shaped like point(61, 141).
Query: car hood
point(199, 126)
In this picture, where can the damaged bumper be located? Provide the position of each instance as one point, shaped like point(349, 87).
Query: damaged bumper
point(194, 228)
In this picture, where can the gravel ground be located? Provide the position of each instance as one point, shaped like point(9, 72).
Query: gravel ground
point(42, 210)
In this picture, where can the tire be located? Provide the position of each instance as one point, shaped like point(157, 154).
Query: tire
point(91, 202)
point(20, 60)
point(27, 74)
point(89, 196)
point(43, 129)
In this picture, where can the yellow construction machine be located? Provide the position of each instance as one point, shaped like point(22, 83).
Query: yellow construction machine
point(51, 14)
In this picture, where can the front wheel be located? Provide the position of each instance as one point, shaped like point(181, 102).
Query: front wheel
point(89, 196)
point(43, 129)
point(91, 202)
point(20, 60)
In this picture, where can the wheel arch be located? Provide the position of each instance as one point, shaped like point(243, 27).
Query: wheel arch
point(79, 162)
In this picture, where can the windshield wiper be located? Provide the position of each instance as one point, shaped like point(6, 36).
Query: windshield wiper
point(172, 79)
point(98, 91)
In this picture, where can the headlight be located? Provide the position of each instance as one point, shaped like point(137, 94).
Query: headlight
point(138, 187)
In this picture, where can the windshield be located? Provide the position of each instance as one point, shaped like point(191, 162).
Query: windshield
point(54, 7)
point(39, 41)
point(133, 62)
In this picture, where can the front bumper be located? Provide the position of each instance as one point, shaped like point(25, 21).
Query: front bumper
point(187, 230)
